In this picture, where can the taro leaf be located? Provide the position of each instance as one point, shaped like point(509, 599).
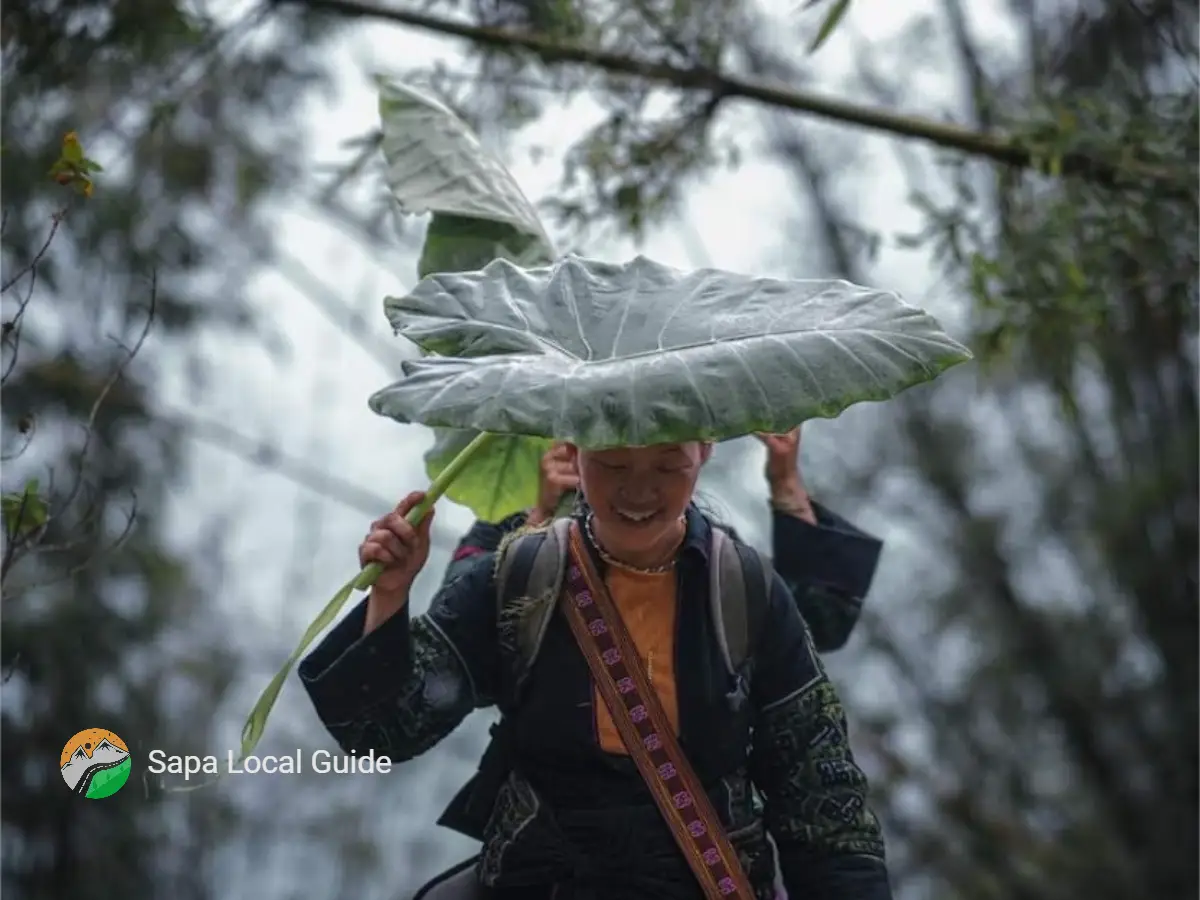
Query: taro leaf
point(435, 163)
point(497, 483)
point(609, 355)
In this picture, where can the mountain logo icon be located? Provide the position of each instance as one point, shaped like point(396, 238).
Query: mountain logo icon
point(95, 763)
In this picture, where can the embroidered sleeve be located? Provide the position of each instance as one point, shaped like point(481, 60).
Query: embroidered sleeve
point(409, 683)
point(816, 797)
point(828, 567)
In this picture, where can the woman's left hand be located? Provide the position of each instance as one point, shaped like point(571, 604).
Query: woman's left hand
point(788, 493)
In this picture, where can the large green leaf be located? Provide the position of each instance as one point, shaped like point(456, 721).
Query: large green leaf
point(609, 355)
point(499, 482)
point(436, 164)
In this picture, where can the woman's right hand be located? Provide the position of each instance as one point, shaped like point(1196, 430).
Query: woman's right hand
point(402, 551)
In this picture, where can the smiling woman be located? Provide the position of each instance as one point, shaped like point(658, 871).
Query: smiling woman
point(613, 638)
point(638, 496)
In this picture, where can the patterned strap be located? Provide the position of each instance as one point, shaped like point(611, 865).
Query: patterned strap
point(639, 717)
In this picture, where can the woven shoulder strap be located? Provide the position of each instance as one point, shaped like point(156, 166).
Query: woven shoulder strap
point(645, 730)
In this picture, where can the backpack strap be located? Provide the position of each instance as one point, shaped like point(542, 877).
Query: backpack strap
point(739, 592)
point(530, 569)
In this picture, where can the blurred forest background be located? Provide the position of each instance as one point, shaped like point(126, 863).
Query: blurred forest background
point(1024, 688)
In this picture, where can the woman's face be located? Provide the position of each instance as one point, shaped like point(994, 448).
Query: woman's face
point(639, 493)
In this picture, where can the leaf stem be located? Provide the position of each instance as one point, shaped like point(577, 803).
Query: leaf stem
point(256, 722)
point(440, 485)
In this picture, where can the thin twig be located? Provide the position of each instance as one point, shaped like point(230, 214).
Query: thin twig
point(32, 265)
point(114, 376)
point(17, 454)
point(15, 539)
point(10, 332)
point(116, 544)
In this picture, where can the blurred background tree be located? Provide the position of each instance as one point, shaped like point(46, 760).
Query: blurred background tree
point(1058, 675)
point(108, 619)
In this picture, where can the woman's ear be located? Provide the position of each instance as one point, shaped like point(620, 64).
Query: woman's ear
point(706, 451)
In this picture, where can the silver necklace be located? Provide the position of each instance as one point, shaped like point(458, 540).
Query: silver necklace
point(612, 561)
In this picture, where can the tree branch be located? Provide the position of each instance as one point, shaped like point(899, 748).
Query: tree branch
point(262, 454)
point(340, 314)
point(551, 51)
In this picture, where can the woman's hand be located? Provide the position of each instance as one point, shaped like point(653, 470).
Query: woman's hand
point(788, 493)
point(402, 551)
point(556, 476)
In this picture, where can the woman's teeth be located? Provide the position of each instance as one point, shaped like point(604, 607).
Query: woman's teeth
point(636, 516)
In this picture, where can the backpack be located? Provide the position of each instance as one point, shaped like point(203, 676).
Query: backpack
point(530, 568)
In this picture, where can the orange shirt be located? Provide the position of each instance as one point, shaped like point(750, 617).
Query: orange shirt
point(647, 604)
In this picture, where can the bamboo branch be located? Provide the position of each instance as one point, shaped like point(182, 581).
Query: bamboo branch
point(1004, 150)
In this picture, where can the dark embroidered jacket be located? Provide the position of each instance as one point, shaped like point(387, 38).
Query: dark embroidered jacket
point(828, 567)
point(568, 812)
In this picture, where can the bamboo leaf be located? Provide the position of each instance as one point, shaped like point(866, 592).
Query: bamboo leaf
point(832, 20)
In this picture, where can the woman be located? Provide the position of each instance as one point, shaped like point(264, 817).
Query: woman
point(827, 563)
point(581, 817)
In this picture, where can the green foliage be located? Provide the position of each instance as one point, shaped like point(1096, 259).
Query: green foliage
point(72, 168)
point(833, 18)
point(24, 511)
point(1058, 280)
point(1053, 283)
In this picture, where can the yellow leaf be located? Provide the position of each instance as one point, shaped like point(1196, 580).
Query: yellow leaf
point(72, 150)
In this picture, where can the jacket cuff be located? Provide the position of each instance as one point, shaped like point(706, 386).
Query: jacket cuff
point(349, 672)
point(833, 552)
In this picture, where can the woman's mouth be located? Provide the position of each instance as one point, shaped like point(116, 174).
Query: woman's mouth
point(637, 518)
